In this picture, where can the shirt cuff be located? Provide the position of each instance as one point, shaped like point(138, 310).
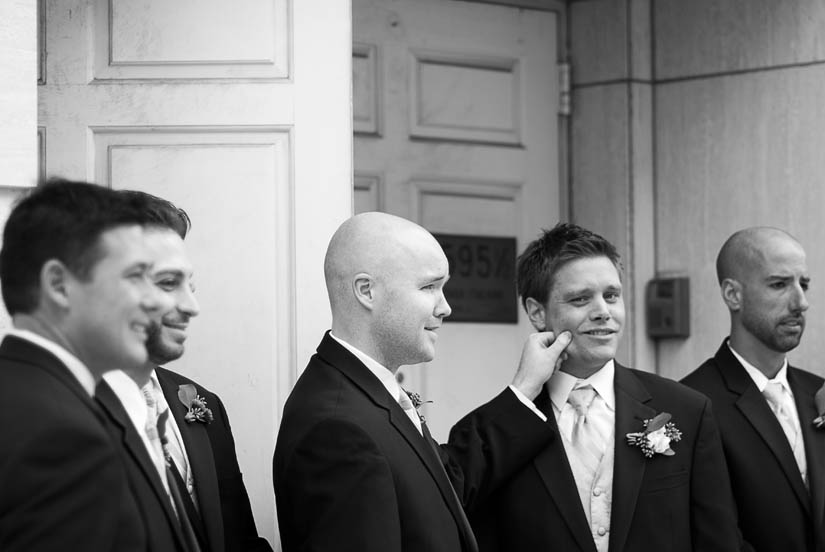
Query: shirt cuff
point(528, 403)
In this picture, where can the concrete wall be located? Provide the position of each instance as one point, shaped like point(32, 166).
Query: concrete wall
point(730, 137)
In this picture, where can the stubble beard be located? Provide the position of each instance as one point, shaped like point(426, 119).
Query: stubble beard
point(159, 351)
point(769, 334)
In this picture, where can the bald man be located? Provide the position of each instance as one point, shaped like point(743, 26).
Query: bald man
point(764, 407)
point(355, 468)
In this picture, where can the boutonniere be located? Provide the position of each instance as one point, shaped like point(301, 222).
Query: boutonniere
point(198, 412)
point(819, 401)
point(659, 432)
point(417, 401)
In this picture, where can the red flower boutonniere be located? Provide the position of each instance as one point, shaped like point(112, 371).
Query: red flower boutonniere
point(417, 401)
point(819, 401)
point(659, 432)
point(198, 412)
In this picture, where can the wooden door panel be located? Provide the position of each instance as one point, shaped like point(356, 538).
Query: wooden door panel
point(222, 108)
point(465, 98)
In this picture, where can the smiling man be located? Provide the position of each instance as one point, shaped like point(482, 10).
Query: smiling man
point(354, 467)
point(765, 407)
point(190, 488)
point(75, 270)
point(590, 488)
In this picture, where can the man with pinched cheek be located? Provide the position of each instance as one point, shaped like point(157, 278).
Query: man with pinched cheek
point(637, 464)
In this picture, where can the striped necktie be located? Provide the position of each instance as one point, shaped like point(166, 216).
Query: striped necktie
point(588, 444)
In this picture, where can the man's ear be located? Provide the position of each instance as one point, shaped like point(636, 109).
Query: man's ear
point(363, 286)
point(732, 294)
point(55, 280)
point(535, 312)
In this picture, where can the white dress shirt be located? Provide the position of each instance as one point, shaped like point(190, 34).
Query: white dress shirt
point(384, 375)
point(595, 489)
point(75, 366)
point(133, 401)
point(559, 387)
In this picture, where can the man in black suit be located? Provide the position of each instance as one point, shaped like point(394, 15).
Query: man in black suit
point(765, 407)
point(75, 272)
point(214, 510)
point(617, 477)
point(355, 468)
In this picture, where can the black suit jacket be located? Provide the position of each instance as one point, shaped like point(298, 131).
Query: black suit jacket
point(157, 515)
point(210, 448)
point(63, 485)
point(776, 512)
point(352, 473)
point(661, 504)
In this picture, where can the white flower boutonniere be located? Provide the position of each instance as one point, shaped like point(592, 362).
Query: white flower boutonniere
point(657, 436)
point(819, 401)
point(417, 401)
point(198, 412)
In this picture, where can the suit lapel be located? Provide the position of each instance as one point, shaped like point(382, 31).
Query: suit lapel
point(133, 443)
point(341, 359)
point(201, 462)
point(449, 494)
point(630, 463)
point(755, 409)
point(814, 444)
point(554, 470)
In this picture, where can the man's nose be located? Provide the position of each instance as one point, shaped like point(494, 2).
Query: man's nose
point(600, 310)
point(442, 309)
point(188, 303)
point(800, 299)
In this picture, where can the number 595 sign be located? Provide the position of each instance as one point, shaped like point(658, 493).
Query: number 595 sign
point(482, 286)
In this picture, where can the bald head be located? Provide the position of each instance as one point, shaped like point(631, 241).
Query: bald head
point(746, 250)
point(374, 243)
point(763, 276)
point(385, 278)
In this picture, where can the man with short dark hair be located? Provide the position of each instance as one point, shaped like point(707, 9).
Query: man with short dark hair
point(192, 487)
point(637, 464)
point(765, 407)
point(75, 270)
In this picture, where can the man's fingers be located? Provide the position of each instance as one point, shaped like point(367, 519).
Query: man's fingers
point(560, 343)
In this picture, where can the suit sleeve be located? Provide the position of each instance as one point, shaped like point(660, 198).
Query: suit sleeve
point(341, 493)
point(713, 524)
point(489, 445)
point(236, 511)
point(63, 491)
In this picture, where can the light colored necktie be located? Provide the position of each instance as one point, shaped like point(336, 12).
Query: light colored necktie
point(172, 447)
point(588, 443)
point(409, 409)
point(781, 403)
point(158, 456)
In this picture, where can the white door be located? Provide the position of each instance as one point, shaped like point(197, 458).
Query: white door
point(455, 109)
point(237, 112)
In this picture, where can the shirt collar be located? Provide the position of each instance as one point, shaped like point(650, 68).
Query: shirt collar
point(383, 374)
point(130, 397)
point(760, 379)
point(561, 383)
point(76, 367)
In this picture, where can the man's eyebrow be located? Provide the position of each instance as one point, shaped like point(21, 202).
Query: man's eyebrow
point(577, 291)
point(140, 265)
point(174, 271)
point(782, 277)
point(430, 278)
